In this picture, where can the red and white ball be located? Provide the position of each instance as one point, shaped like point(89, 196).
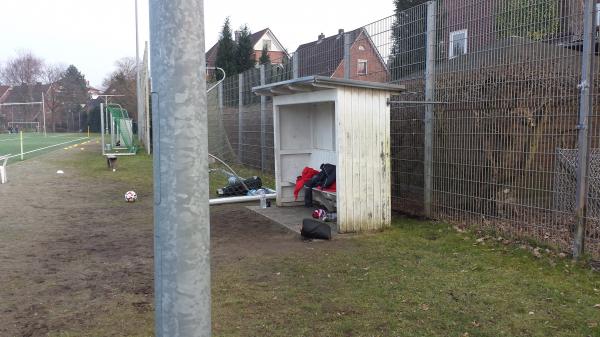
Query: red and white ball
point(130, 196)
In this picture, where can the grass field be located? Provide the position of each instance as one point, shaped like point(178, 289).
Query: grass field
point(88, 269)
point(418, 278)
point(36, 144)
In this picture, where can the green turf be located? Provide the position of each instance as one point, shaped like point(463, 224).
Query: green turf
point(11, 144)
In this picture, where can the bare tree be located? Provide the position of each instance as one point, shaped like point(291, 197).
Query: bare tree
point(125, 69)
point(51, 73)
point(26, 68)
point(122, 81)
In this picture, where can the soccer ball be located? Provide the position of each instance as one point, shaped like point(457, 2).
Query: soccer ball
point(130, 196)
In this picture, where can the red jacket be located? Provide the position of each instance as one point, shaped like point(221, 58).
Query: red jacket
point(307, 174)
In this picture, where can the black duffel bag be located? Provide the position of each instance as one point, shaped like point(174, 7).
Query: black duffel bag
point(315, 229)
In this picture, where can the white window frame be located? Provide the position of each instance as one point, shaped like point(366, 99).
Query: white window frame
point(366, 62)
point(597, 14)
point(264, 42)
point(452, 41)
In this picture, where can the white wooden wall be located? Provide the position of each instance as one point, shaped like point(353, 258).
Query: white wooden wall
point(364, 164)
point(361, 150)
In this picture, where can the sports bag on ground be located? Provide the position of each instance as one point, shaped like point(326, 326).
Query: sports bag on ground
point(315, 229)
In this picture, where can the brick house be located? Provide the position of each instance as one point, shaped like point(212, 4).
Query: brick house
point(260, 40)
point(325, 57)
point(470, 25)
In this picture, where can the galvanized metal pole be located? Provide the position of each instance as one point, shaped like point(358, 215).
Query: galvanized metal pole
point(347, 55)
point(181, 211)
point(263, 120)
point(138, 89)
point(220, 89)
point(21, 137)
point(147, 102)
point(585, 105)
point(429, 97)
point(240, 115)
point(295, 65)
point(44, 113)
point(106, 116)
point(102, 107)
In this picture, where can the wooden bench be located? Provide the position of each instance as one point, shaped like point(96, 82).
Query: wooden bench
point(326, 199)
point(3, 161)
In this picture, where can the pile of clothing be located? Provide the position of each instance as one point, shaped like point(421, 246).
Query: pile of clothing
point(238, 187)
point(311, 178)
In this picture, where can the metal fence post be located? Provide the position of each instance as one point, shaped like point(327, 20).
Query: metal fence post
point(429, 97)
point(347, 56)
point(181, 213)
point(295, 65)
point(585, 105)
point(220, 98)
point(263, 119)
point(240, 117)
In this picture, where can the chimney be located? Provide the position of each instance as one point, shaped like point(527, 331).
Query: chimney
point(237, 34)
point(321, 36)
point(340, 31)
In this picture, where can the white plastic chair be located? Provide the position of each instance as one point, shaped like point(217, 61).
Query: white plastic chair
point(3, 160)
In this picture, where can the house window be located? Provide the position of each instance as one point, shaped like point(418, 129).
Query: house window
point(267, 44)
point(458, 43)
point(362, 67)
point(598, 14)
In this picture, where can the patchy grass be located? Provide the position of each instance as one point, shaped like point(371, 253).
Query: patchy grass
point(219, 179)
point(137, 171)
point(417, 279)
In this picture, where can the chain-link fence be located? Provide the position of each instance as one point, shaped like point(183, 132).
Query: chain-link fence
point(489, 129)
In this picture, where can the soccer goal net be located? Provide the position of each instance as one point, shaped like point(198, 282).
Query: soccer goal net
point(24, 126)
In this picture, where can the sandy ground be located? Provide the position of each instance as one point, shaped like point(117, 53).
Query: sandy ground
point(75, 259)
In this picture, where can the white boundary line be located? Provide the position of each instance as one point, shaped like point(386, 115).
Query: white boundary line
point(47, 147)
point(17, 137)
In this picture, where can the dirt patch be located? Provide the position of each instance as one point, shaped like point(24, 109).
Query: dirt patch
point(76, 259)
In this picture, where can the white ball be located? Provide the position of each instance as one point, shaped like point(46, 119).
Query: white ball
point(130, 196)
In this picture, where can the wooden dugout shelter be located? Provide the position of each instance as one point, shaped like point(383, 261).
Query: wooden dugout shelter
point(342, 122)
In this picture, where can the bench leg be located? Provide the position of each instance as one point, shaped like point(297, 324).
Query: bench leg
point(112, 163)
point(3, 178)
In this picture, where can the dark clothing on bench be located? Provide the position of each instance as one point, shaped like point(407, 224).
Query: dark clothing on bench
point(325, 178)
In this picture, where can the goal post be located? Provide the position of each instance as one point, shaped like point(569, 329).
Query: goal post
point(30, 123)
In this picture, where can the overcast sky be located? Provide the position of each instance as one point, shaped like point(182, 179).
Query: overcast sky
point(93, 34)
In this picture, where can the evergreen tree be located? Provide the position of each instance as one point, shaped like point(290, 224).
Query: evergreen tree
point(226, 53)
point(245, 50)
point(72, 94)
point(408, 50)
point(264, 56)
